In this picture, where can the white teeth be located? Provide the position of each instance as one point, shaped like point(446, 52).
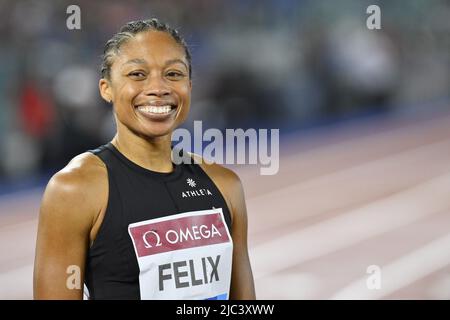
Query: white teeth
point(155, 109)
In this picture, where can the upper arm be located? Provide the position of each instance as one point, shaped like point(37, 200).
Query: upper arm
point(242, 283)
point(66, 216)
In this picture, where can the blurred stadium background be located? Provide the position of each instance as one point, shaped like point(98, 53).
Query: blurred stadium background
point(364, 118)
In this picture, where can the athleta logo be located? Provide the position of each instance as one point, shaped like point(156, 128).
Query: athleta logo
point(191, 182)
point(196, 192)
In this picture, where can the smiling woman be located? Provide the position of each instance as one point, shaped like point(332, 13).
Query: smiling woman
point(104, 211)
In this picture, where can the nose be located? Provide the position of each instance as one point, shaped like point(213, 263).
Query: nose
point(156, 86)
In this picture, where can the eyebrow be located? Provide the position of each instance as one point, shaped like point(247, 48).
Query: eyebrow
point(172, 61)
point(168, 62)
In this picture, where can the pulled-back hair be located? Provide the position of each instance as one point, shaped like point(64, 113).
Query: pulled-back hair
point(128, 31)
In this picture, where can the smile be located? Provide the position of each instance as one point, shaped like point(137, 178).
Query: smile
point(156, 109)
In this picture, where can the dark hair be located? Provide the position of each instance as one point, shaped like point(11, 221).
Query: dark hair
point(128, 31)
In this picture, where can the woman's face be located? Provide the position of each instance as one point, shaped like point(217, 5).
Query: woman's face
point(149, 84)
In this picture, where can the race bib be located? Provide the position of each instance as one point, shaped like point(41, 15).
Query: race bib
point(184, 256)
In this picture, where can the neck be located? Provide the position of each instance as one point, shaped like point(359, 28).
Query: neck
point(150, 153)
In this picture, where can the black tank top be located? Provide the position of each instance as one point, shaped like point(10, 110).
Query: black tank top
point(137, 194)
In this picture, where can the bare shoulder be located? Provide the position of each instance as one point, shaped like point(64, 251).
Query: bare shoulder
point(84, 171)
point(80, 185)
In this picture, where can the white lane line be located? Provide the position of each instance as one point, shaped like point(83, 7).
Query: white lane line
point(422, 152)
point(304, 199)
point(406, 137)
point(402, 272)
point(350, 228)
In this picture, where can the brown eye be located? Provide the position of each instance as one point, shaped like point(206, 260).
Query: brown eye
point(175, 74)
point(137, 74)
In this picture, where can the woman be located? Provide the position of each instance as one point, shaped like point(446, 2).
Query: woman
point(126, 219)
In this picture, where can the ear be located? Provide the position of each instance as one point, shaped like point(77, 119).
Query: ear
point(105, 90)
point(190, 84)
